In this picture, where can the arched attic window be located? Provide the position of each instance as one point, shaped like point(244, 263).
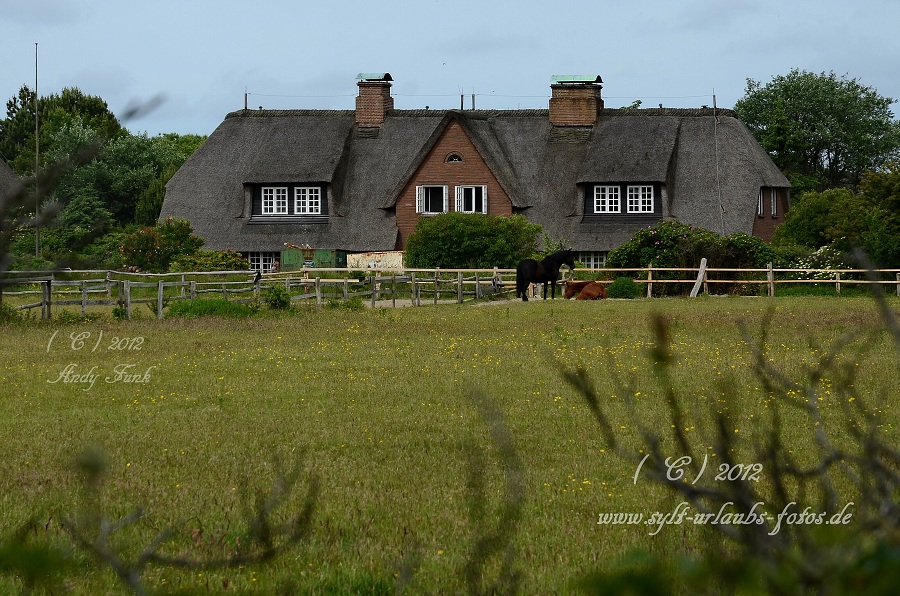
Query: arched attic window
point(454, 157)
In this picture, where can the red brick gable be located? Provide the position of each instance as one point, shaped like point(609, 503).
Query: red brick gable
point(435, 169)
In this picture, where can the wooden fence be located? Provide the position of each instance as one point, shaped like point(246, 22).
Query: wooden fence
point(376, 287)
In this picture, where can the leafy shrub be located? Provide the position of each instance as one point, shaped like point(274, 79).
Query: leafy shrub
point(353, 303)
point(152, 249)
point(210, 260)
point(277, 297)
point(210, 307)
point(826, 257)
point(120, 313)
point(674, 244)
point(68, 316)
point(8, 314)
point(471, 240)
point(623, 287)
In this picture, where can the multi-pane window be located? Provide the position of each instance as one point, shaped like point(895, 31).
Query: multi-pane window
point(593, 259)
point(607, 199)
point(307, 200)
point(262, 261)
point(471, 199)
point(431, 199)
point(640, 199)
point(274, 200)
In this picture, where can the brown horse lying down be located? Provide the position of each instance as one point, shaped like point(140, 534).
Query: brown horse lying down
point(592, 291)
point(586, 290)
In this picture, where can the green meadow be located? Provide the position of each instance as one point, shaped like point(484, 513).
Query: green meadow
point(194, 417)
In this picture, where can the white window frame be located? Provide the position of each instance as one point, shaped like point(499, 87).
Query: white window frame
point(640, 198)
point(607, 199)
point(594, 259)
point(420, 199)
point(460, 192)
point(274, 200)
point(263, 262)
point(760, 204)
point(307, 200)
point(774, 199)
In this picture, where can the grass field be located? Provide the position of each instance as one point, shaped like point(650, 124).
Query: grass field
point(376, 405)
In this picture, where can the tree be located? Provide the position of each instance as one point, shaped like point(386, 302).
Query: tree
point(55, 112)
point(842, 219)
point(149, 205)
point(471, 240)
point(130, 170)
point(822, 130)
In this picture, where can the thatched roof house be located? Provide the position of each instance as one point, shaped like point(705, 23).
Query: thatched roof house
point(358, 180)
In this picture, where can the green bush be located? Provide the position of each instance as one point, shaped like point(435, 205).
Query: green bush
point(623, 287)
point(471, 241)
point(210, 307)
point(277, 297)
point(353, 303)
point(8, 314)
point(152, 249)
point(210, 260)
point(674, 244)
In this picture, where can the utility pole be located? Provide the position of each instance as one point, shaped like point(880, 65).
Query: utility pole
point(37, 162)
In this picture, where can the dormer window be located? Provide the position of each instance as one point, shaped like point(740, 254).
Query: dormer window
point(623, 200)
point(289, 203)
point(454, 157)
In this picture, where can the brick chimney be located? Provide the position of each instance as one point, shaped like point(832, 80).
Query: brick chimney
point(374, 99)
point(575, 100)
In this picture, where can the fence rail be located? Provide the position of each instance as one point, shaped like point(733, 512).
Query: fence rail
point(377, 287)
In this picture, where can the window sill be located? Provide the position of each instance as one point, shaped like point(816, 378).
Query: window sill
point(288, 219)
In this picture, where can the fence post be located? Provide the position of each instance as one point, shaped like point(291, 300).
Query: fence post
point(701, 278)
point(346, 289)
point(436, 278)
point(394, 290)
point(193, 290)
point(128, 299)
point(159, 301)
point(414, 288)
point(83, 297)
point(374, 289)
point(770, 277)
point(459, 287)
point(650, 280)
point(47, 291)
point(898, 284)
point(183, 281)
point(477, 287)
point(318, 287)
point(837, 282)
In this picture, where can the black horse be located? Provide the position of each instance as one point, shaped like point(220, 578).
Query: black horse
point(530, 271)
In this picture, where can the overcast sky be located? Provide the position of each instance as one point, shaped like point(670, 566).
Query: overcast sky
point(201, 56)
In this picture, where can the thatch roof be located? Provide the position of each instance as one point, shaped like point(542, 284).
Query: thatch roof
point(706, 162)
